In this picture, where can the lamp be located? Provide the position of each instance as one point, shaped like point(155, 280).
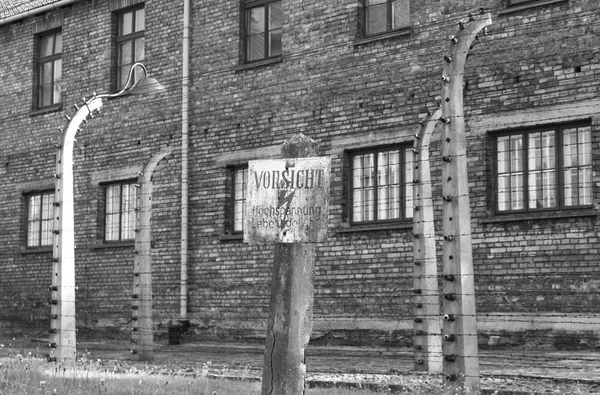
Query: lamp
point(141, 86)
point(62, 302)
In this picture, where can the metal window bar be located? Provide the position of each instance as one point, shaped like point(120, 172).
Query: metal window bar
point(240, 179)
point(372, 180)
point(555, 168)
point(119, 216)
point(39, 221)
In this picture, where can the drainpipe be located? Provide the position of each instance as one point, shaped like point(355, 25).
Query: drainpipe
point(184, 163)
point(35, 11)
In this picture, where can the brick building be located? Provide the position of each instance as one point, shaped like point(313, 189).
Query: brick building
point(357, 76)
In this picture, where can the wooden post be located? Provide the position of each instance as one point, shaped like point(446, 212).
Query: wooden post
point(290, 319)
point(428, 336)
point(287, 204)
point(142, 331)
point(461, 361)
point(62, 312)
point(292, 294)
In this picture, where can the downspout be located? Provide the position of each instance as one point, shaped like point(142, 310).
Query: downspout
point(185, 88)
point(35, 11)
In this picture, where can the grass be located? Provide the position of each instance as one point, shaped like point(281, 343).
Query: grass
point(30, 374)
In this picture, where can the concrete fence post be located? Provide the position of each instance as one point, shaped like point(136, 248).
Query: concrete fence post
point(141, 317)
point(428, 334)
point(461, 361)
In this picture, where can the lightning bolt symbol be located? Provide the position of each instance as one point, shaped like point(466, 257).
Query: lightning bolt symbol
point(284, 198)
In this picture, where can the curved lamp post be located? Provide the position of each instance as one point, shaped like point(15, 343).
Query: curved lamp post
point(62, 301)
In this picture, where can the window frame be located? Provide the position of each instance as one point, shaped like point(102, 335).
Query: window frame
point(248, 5)
point(105, 187)
point(514, 3)
point(42, 220)
point(40, 62)
point(559, 167)
point(526, 5)
point(130, 37)
point(389, 20)
point(230, 228)
point(403, 183)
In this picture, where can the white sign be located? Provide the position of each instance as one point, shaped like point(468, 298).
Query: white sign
point(287, 200)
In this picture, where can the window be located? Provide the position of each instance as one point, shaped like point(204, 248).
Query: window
point(49, 69)
point(544, 169)
point(263, 29)
point(382, 16)
point(119, 213)
point(40, 219)
point(130, 43)
point(240, 179)
point(381, 188)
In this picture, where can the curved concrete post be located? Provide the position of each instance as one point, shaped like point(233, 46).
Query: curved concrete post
point(142, 334)
point(62, 301)
point(461, 361)
point(428, 336)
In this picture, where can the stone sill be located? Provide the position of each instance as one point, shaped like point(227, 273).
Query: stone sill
point(539, 216)
point(46, 110)
point(375, 228)
point(35, 250)
point(393, 34)
point(233, 237)
point(259, 63)
point(517, 8)
point(103, 246)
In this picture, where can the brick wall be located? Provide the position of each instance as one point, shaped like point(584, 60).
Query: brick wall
point(111, 147)
point(538, 66)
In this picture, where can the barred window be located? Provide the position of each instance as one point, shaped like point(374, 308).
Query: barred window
point(240, 179)
point(381, 188)
point(40, 219)
point(119, 215)
point(544, 169)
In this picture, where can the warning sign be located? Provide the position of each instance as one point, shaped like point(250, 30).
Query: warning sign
point(287, 200)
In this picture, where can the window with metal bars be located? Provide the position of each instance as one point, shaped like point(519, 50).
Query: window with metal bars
point(49, 64)
point(40, 210)
point(547, 168)
point(131, 25)
point(238, 198)
point(381, 185)
point(262, 27)
point(121, 202)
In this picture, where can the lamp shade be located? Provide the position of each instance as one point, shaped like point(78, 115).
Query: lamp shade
point(146, 85)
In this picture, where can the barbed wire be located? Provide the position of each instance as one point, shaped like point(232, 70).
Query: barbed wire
point(527, 321)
